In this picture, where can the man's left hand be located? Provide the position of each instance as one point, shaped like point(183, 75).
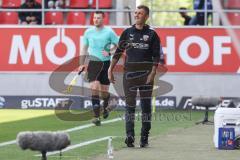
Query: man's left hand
point(150, 78)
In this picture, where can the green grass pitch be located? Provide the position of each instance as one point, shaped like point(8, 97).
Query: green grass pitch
point(14, 121)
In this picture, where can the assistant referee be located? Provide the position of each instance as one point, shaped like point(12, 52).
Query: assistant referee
point(96, 46)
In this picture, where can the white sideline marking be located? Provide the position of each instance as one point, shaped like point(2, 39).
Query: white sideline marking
point(77, 146)
point(7, 143)
point(68, 130)
point(91, 125)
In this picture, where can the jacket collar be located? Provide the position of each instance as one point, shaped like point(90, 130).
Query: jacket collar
point(145, 27)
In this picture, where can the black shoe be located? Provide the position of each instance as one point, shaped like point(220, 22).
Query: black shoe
point(144, 141)
point(105, 114)
point(130, 141)
point(96, 121)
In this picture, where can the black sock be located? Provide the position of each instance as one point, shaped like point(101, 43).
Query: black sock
point(96, 105)
point(95, 100)
point(105, 101)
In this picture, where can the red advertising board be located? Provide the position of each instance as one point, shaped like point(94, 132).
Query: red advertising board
point(185, 49)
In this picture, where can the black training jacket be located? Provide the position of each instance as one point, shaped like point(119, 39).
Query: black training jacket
point(140, 46)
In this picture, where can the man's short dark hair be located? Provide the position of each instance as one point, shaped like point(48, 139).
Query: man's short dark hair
point(182, 8)
point(145, 8)
point(100, 12)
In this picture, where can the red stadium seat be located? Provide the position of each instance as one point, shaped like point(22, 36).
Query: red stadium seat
point(11, 3)
point(39, 1)
point(54, 18)
point(76, 18)
point(1, 19)
point(232, 4)
point(102, 4)
point(78, 4)
point(106, 18)
point(234, 18)
point(9, 18)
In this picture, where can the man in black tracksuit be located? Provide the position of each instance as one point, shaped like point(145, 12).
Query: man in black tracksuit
point(31, 18)
point(143, 50)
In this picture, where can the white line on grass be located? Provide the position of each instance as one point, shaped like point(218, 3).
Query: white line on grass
point(68, 130)
point(77, 145)
point(7, 143)
point(91, 125)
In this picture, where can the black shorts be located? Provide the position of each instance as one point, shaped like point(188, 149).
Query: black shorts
point(98, 71)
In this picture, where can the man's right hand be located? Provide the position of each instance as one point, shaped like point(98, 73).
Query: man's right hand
point(105, 53)
point(81, 67)
point(111, 76)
